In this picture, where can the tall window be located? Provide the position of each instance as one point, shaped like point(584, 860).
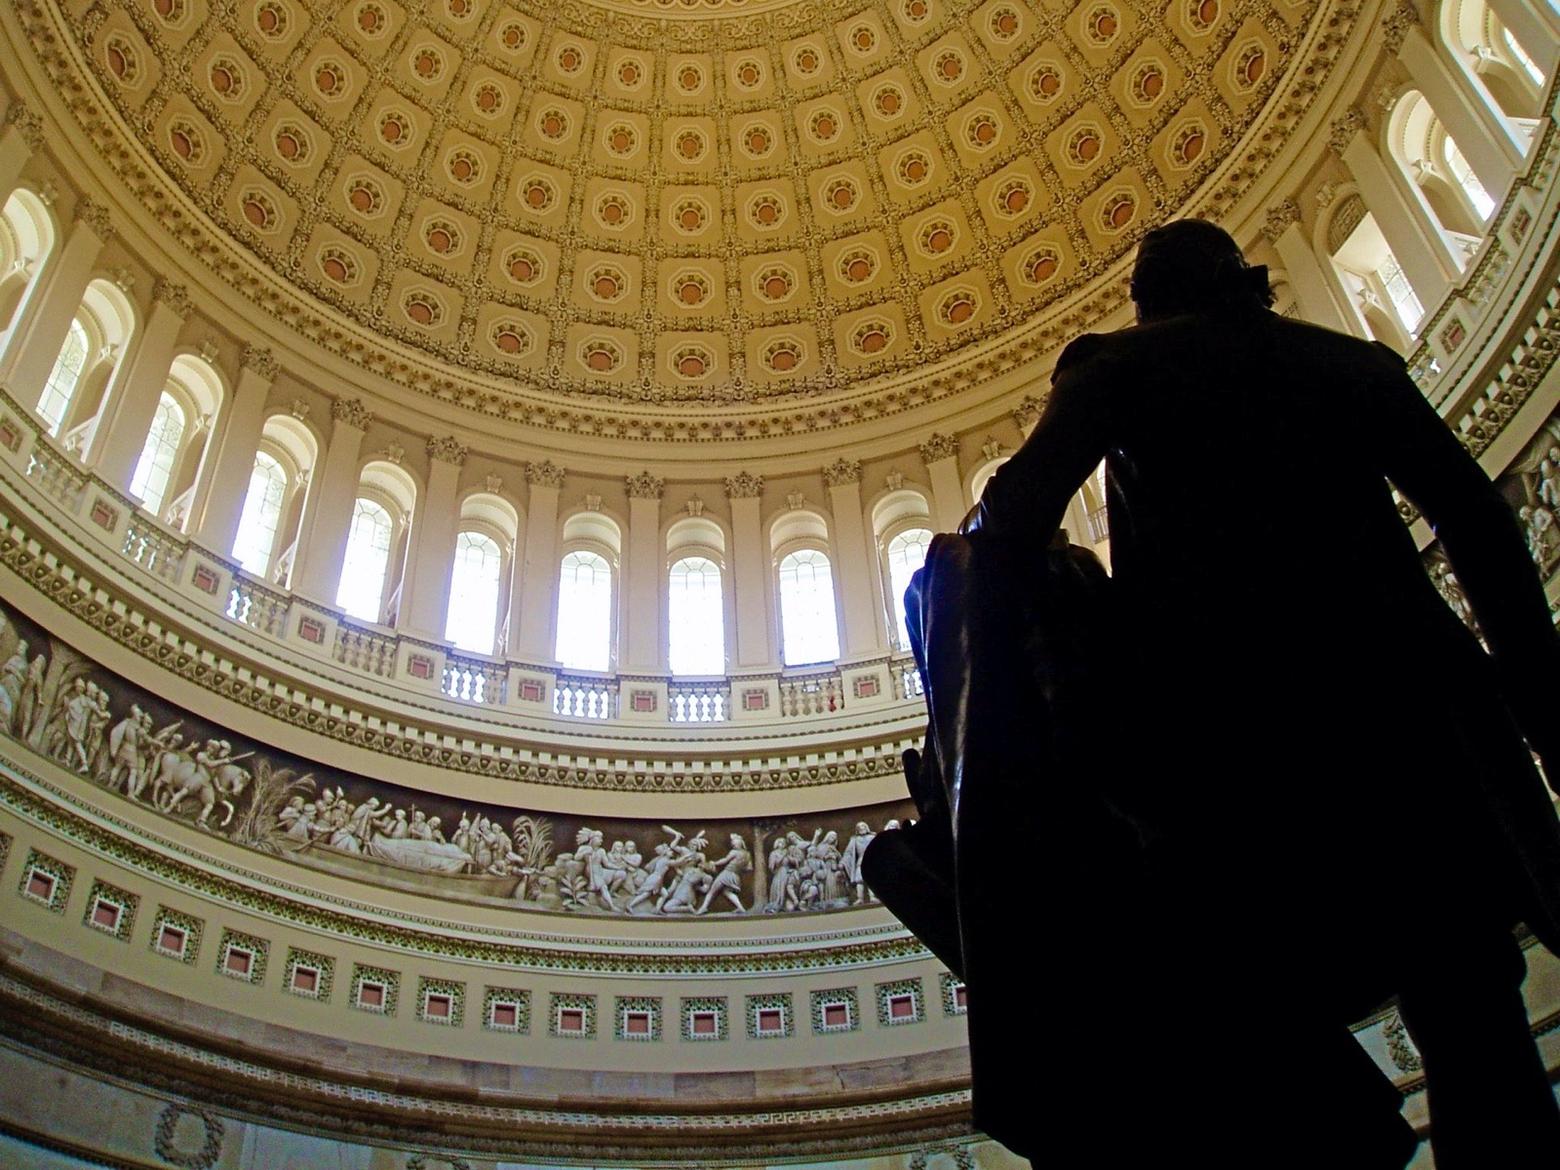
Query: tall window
point(262, 515)
point(696, 619)
point(473, 618)
point(1409, 311)
point(807, 624)
point(362, 589)
point(57, 391)
point(585, 612)
point(906, 554)
point(1463, 174)
point(149, 484)
point(1529, 66)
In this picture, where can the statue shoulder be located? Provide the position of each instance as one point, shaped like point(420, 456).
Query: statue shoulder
point(1082, 349)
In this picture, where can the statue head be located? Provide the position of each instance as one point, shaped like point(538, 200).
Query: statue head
point(1194, 266)
point(861, 829)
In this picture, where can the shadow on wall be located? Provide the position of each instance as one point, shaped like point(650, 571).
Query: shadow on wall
point(59, 703)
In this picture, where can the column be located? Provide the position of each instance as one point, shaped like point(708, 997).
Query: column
point(231, 458)
point(1420, 247)
point(430, 557)
point(531, 638)
point(20, 138)
point(1535, 30)
point(1484, 136)
point(750, 574)
point(322, 550)
point(35, 344)
point(644, 578)
point(853, 548)
point(131, 400)
point(1284, 231)
point(940, 453)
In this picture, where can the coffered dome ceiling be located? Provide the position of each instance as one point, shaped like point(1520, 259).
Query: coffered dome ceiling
point(689, 201)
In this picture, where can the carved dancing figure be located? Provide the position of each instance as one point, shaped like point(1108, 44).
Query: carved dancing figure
point(728, 880)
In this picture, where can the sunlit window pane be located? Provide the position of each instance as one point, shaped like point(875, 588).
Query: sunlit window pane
point(906, 554)
point(1529, 66)
point(1467, 180)
point(807, 624)
point(585, 612)
point(262, 515)
point(362, 589)
point(149, 484)
point(63, 377)
point(1409, 311)
point(472, 623)
point(696, 620)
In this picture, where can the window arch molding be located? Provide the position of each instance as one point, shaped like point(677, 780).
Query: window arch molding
point(30, 234)
point(1334, 227)
point(1473, 40)
point(1416, 140)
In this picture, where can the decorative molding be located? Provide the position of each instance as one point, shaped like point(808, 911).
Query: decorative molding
point(448, 450)
point(393, 452)
point(991, 449)
point(95, 217)
point(1344, 127)
point(694, 506)
point(842, 472)
point(493, 483)
point(795, 501)
point(174, 295)
point(644, 486)
point(165, 1138)
point(592, 501)
point(544, 474)
point(1280, 218)
point(352, 412)
point(938, 447)
point(1394, 28)
point(299, 409)
point(894, 481)
point(744, 486)
point(260, 360)
point(19, 114)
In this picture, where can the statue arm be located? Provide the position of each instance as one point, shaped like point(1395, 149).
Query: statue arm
point(1485, 544)
point(1028, 496)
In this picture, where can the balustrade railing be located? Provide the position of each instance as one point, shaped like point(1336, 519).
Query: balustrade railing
point(701, 702)
point(907, 679)
point(365, 650)
point(153, 549)
point(56, 478)
point(257, 606)
point(585, 698)
point(811, 694)
point(474, 680)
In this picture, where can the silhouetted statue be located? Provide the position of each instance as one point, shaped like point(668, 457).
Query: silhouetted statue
point(1329, 796)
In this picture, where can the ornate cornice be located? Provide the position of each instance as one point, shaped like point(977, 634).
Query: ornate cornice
point(260, 360)
point(544, 474)
point(938, 447)
point(352, 413)
point(644, 486)
point(842, 472)
point(447, 450)
point(744, 486)
point(20, 115)
point(1280, 217)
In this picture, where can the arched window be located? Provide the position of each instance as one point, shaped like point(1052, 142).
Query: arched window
point(809, 630)
point(472, 623)
point(906, 553)
point(262, 515)
point(585, 612)
point(1529, 66)
point(696, 621)
point(57, 391)
point(362, 590)
point(1463, 174)
point(150, 482)
point(1405, 302)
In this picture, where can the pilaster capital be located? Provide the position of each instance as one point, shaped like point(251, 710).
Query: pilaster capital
point(174, 295)
point(448, 450)
point(1280, 217)
point(842, 472)
point(1344, 127)
point(644, 486)
point(1395, 26)
point(1027, 412)
point(95, 217)
point(744, 486)
point(544, 474)
point(259, 359)
point(939, 447)
point(352, 412)
point(20, 115)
